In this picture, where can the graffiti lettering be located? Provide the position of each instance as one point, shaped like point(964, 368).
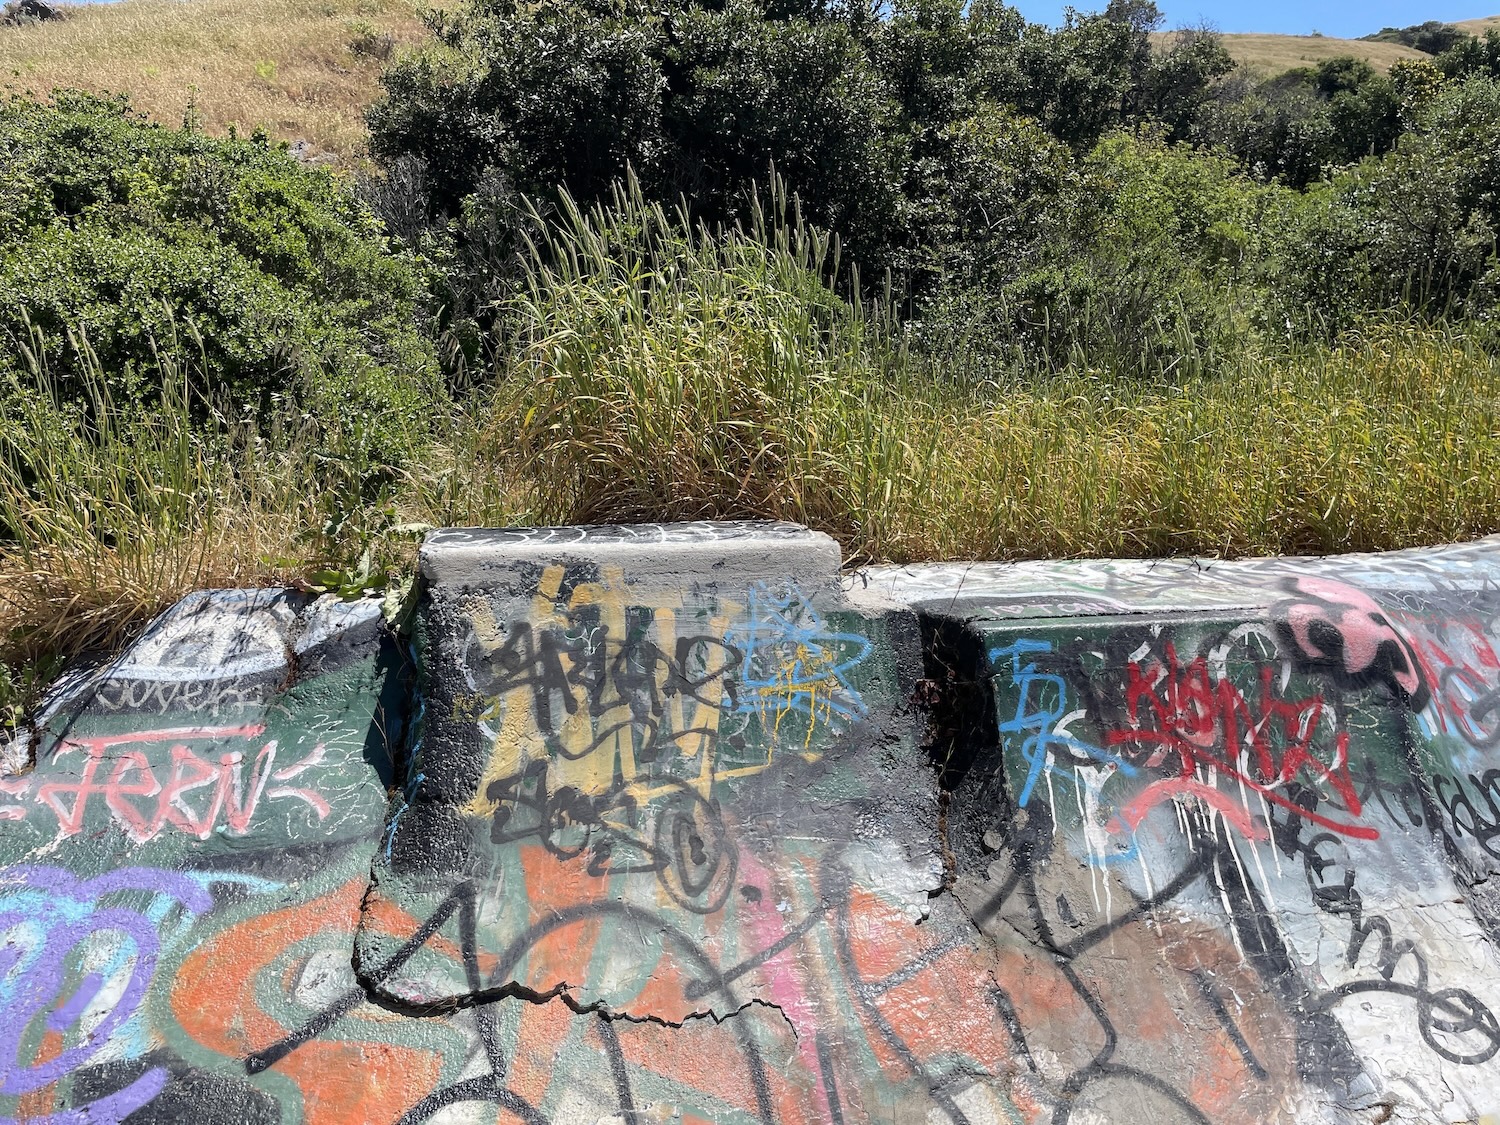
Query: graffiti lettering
point(133, 696)
point(585, 672)
point(794, 663)
point(681, 839)
point(191, 792)
point(1041, 704)
point(1475, 704)
point(81, 961)
point(1452, 1021)
point(1466, 817)
point(1207, 721)
point(703, 859)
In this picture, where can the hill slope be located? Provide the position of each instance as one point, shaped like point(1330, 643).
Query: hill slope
point(300, 69)
point(1479, 26)
point(1272, 54)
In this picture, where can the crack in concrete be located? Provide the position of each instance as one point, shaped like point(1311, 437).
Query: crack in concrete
point(514, 990)
point(604, 1012)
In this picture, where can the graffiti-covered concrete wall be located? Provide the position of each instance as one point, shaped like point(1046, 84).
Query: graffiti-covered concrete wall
point(181, 871)
point(1244, 811)
point(676, 824)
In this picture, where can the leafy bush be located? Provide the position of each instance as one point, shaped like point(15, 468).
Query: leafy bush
point(1433, 37)
point(1100, 71)
point(694, 100)
point(1139, 257)
point(853, 106)
point(1299, 124)
point(282, 284)
point(1415, 229)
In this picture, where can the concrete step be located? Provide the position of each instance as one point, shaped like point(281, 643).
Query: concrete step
point(621, 728)
point(1263, 791)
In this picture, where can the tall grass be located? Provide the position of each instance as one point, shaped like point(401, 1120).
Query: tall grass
point(663, 371)
point(1388, 441)
point(659, 370)
point(656, 370)
point(113, 509)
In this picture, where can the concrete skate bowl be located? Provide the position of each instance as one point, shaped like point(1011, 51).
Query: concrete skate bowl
point(678, 823)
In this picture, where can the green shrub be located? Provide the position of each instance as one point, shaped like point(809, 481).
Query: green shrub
point(1415, 230)
point(853, 105)
point(1473, 55)
point(121, 229)
point(1139, 257)
point(1433, 37)
point(1298, 125)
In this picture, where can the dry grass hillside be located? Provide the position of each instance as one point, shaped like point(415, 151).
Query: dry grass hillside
point(302, 69)
point(1275, 53)
point(1272, 54)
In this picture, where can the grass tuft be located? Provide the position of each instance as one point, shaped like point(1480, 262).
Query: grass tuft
point(113, 510)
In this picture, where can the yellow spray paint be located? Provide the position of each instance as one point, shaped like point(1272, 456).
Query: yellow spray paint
point(573, 752)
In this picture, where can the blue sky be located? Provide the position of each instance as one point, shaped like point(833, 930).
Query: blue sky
point(1343, 18)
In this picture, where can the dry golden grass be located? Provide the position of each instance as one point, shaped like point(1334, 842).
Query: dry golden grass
point(93, 598)
point(1479, 26)
point(119, 512)
point(284, 65)
point(1272, 54)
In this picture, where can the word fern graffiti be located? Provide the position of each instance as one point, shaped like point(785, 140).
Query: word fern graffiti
point(143, 797)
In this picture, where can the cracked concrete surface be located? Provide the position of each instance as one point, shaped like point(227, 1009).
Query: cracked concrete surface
point(674, 823)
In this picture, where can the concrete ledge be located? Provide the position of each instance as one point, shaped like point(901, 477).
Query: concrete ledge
point(1084, 587)
point(671, 554)
point(636, 717)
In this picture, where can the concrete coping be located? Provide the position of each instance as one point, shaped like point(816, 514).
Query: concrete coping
point(1103, 587)
point(706, 552)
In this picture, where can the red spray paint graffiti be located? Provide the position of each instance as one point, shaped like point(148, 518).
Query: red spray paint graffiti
point(1263, 743)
